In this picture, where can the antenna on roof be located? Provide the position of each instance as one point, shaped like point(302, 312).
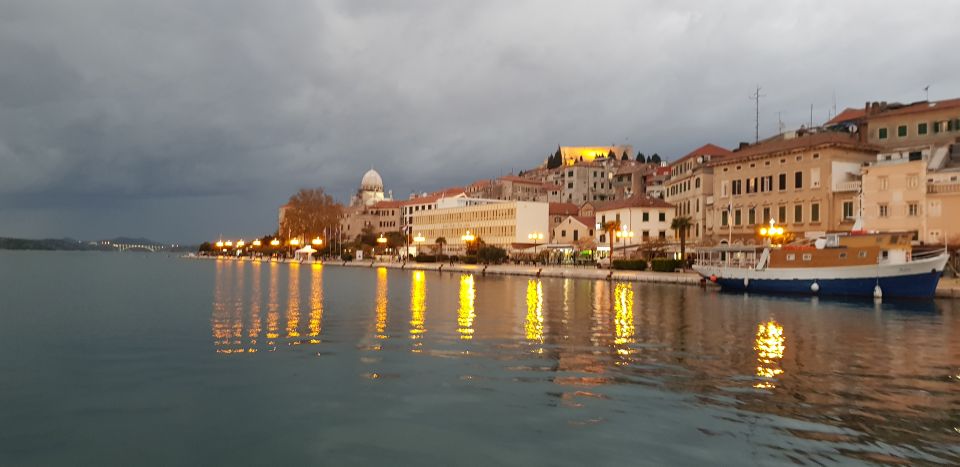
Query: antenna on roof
point(755, 97)
point(926, 93)
point(811, 116)
point(780, 121)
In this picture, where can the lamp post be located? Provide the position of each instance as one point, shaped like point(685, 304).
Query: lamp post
point(467, 238)
point(623, 235)
point(771, 233)
point(536, 237)
point(382, 241)
point(418, 240)
point(294, 243)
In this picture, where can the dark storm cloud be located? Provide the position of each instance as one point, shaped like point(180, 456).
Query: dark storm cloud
point(181, 120)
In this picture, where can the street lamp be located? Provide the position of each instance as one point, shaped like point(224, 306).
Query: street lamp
point(317, 241)
point(257, 243)
point(417, 240)
point(536, 237)
point(623, 234)
point(772, 232)
point(275, 242)
point(228, 243)
point(467, 238)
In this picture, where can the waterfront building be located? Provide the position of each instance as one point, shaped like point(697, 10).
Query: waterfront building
point(807, 181)
point(558, 212)
point(574, 230)
point(505, 224)
point(917, 190)
point(690, 188)
point(371, 208)
point(894, 126)
point(424, 202)
point(645, 220)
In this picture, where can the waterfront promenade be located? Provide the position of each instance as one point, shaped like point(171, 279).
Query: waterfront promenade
point(948, 287)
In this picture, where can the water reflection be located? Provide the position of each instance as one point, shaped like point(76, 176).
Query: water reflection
point(418, 308)
point(273, 305)
point(253, 331)
point(381, 309)
point(465, 314)
point(769, 346)
point(533, 325)
point(623, 313)
point(293, 301)
point(316, 301)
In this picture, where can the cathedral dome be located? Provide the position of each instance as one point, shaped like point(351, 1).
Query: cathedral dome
point(371, 181)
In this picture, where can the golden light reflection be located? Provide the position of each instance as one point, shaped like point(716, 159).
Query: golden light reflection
point(293, 301)
point(466, 314)
point(381, 332)
point(273, 305)
point(418, 307)
point(254, 330)
point(316, 301)
point(623, 314)
point(769, 346)
point(533, 326)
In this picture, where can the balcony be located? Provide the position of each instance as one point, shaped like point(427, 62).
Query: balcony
point(948, 187)
point(841, 187)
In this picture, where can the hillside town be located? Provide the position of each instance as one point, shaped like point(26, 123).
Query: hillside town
point(882, 167)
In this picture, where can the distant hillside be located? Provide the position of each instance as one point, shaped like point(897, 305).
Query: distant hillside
point(46, 244)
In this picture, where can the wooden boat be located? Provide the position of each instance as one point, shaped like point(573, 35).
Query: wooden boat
point(840, 264)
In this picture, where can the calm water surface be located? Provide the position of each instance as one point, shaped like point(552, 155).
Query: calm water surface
point(148, 359)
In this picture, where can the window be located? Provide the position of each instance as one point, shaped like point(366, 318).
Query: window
point(847, 210)
point(884, 210)
point(882, 133)
point(808, 256)
point(737, 187)
point(752, 216)
point(843, 255)
point(815, 177)
point(563, 233)
point(723, 189)
point(884, 183)
point(783, 182)
point(782, 214)
point(646, 216)
point(576, 235)
point(798, 213)
point(862, 253)
point(696, 183)
point(663, 217)
point(798, 180)
point(662, 235)
point(901, 131)
point(922, 128)
point(792, 257)
point(913, 209)
point(816, 156)
point(736, 217)
point(766, 214)
point(645, 234)
point(570, 185)
point(815, 212)
point(724, 218)
point(913, 181)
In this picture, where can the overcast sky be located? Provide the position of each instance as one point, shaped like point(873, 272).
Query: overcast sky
point(182, 120)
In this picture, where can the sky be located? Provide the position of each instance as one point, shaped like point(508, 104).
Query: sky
point(182, 121)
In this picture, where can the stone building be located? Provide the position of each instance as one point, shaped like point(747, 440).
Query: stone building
point(690, 188)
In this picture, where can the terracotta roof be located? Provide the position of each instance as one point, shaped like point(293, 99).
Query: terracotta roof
point(916, 107)
point(586, 220)
point(779, 144)
point(847, 115)
point(705, 150)
point(635, 201)
point(431, 198)
point(568, 209)
point(386, 204)
point(516, 179)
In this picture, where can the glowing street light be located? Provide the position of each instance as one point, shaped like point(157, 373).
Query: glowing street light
point(275, 242)
point(317, 241)
point(381, 239)
point(294, 241)
point(468, 237)
point(240, 243)
point(772, 231)
point(623, 235)
point(419, 239)
point(536, 237)
point(228, 243)
point(257, 243)
point(220, 244)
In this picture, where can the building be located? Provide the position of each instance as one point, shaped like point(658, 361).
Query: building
point(370, 207)
point(424, 202)
point(807, 181)
point(515, 188)
point(370, 191)
point(575, 154)
point(574, 230)
point(896, 126)
point(690, 187)
point(914, 191)
point(558, 212)
point(499, 223)
point(646, 220)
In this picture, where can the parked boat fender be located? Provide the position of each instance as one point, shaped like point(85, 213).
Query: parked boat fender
point(815, 287)
point(713, 278)
point(746, 281)
point(877, 291)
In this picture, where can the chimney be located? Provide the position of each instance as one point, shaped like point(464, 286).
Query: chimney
point(743, 145)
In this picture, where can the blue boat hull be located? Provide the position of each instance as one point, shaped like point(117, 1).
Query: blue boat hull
point(909, 286)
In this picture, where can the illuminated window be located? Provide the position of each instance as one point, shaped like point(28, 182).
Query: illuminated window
point(791, 257)
point(808, 257)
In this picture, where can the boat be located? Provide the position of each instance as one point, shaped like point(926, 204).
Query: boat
point(853, 264)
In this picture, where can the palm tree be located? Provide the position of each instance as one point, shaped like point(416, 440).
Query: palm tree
point(440, 241)
point(681, 225)
point(611, 228)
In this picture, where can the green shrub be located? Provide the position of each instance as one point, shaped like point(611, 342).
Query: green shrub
point(347, 256)
point(630, 264)
point(422, 258)
point(469, 259)
point(491, 254)
point(666, 264)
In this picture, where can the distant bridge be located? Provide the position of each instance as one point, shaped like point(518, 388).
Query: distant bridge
point(137, 247)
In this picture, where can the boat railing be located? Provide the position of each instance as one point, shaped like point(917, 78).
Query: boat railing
point(926, 254)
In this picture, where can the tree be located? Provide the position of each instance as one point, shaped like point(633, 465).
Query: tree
point(611, 155)
point(625, 157)
point(440, 241)
point(205, 247)
point(395, 239)
point(654, 159)
point(611, 228)
point(556, 160)
point(309, 213)
point(367, 236)
point(641, 158)
point(681, 225)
